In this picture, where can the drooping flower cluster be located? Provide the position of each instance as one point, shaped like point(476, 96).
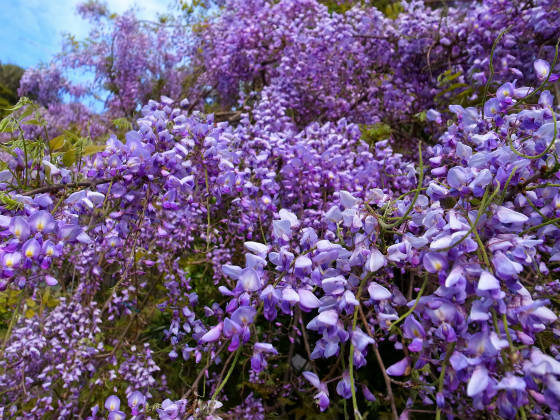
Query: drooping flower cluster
point(50, 351)
point(370, 67)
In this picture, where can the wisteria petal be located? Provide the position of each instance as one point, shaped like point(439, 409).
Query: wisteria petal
point(213, 334)
point(506, 215)
point(308, 299)
point(400, 368)
point(378, 292)
point(478, 382)
point(375, 261)
point(488, 282)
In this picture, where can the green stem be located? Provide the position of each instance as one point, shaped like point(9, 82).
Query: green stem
point(507, 184)
point(479, 241)
point(512, 354)
point(536, 209)
point(351, 366)
point(26, 158)
point(483, 205)
point(491, 65)
point(207, 210)
point(220, 387)
point(534, 187)
point(450, 349)
point(543, 84)
point(12, 323)
point(548, 222)
point(416, 194)
point(545, 151)
point(407, 313)
point(495, 321)
point(357, 414)
point(508, 335)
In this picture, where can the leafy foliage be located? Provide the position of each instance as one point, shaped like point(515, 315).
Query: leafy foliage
point(10, 76)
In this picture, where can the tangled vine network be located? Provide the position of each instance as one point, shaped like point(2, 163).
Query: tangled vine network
point(287, 209)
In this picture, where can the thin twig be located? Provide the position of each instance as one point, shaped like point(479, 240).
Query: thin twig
point(306, 342)
point(386, 378)
point(12, 323)
point(200, 375)
point(56, 187)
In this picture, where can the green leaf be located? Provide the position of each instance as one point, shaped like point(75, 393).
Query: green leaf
point(373, 133)
point(443, 75)
point(13, 297)
point(447, 77)
point(91, 149)
point(9, 202)
point(33, 122)
point(122, 124)
point(421, 116)
point(22, 101)
point(392, 11)
point(69, 157)
point(452, 88)
point(5, 126)
point(73, 137)
point(58, 142)
point(26, 113)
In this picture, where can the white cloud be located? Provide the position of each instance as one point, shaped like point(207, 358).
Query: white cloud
point(31, 30)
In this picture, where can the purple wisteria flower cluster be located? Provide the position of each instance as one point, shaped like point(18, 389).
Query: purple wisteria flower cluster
point(277, 259)
point(366, 65)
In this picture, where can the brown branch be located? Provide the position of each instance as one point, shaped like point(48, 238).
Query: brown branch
point(386, 378)
point(56, 187)
point(201, 95)
point(202, 372)
point(134, 315)
point(224, 368)
point(306, 342)
point(229, 116)
point(291, 351)
point(410, 287)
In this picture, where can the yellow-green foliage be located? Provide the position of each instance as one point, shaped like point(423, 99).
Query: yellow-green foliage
point(371, 134)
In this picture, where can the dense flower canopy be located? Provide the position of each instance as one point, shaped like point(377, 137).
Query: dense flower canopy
point(287, 209)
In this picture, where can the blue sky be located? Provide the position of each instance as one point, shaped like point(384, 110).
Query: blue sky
point(31, 30)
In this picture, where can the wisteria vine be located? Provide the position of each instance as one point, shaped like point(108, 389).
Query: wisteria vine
point(350, 214)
